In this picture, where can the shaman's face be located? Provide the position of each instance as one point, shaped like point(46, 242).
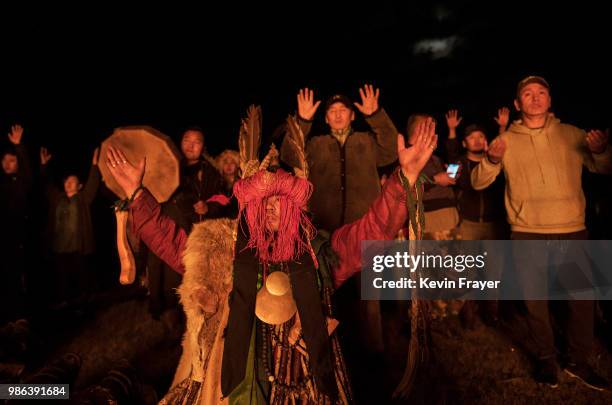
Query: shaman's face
point(273, 213)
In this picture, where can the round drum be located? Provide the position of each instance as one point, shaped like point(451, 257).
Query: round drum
point(162, 171)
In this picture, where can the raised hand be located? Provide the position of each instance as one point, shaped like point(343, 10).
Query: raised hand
point(128, 176)
point(15, 135)
point(597, 140)
point(307, 107)
point(502, 119)
point(413, 159)
point(452, 119)
point(45, 156)
point(496, 150)
point(369, 100)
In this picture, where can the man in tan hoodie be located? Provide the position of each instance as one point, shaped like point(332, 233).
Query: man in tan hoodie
point(542, 162)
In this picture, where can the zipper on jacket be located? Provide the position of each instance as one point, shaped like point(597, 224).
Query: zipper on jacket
point(342, 179)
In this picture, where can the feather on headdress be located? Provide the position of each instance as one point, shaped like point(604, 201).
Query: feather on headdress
point(295, 229)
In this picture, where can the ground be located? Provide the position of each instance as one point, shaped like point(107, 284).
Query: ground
point(481, 366)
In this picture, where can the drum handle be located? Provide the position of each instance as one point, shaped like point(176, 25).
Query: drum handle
point(128, 264)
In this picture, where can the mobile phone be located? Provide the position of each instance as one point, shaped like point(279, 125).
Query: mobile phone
point(452, 170)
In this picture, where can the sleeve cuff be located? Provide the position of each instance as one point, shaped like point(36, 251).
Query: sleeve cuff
point(144, 202)
point(603, 153)
point(489, 161)
point(374, 113)
point(299, 117)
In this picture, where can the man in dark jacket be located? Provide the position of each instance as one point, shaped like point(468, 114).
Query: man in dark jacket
point(15, 188)
point(188, 205)
point(70, 230)
point(343, 164)
point(343, 170)
point(481, 212)
point(200, 180)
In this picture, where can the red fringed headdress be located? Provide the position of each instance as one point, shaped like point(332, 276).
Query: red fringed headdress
point(295, 228)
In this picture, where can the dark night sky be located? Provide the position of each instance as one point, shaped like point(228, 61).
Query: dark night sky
point(71, 75)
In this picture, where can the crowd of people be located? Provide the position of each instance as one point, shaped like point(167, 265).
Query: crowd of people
point(522, 183)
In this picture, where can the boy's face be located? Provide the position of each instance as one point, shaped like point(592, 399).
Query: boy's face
point(72, 185)
point(475, 142)
point(10, 164)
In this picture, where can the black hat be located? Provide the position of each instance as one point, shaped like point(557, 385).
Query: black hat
point(473, 128)
point(339, 98)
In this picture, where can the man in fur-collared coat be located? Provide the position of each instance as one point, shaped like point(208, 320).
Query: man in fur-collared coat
point(229, 356)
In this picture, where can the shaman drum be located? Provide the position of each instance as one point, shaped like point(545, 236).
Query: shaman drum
point(161, 178)
point(162, 174)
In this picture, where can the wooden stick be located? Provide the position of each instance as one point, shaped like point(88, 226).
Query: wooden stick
point(128, 264)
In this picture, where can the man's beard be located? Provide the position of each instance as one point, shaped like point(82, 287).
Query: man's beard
point(478, 152)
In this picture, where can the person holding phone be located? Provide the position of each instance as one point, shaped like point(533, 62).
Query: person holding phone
point(481, 211)
point(453, 170)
